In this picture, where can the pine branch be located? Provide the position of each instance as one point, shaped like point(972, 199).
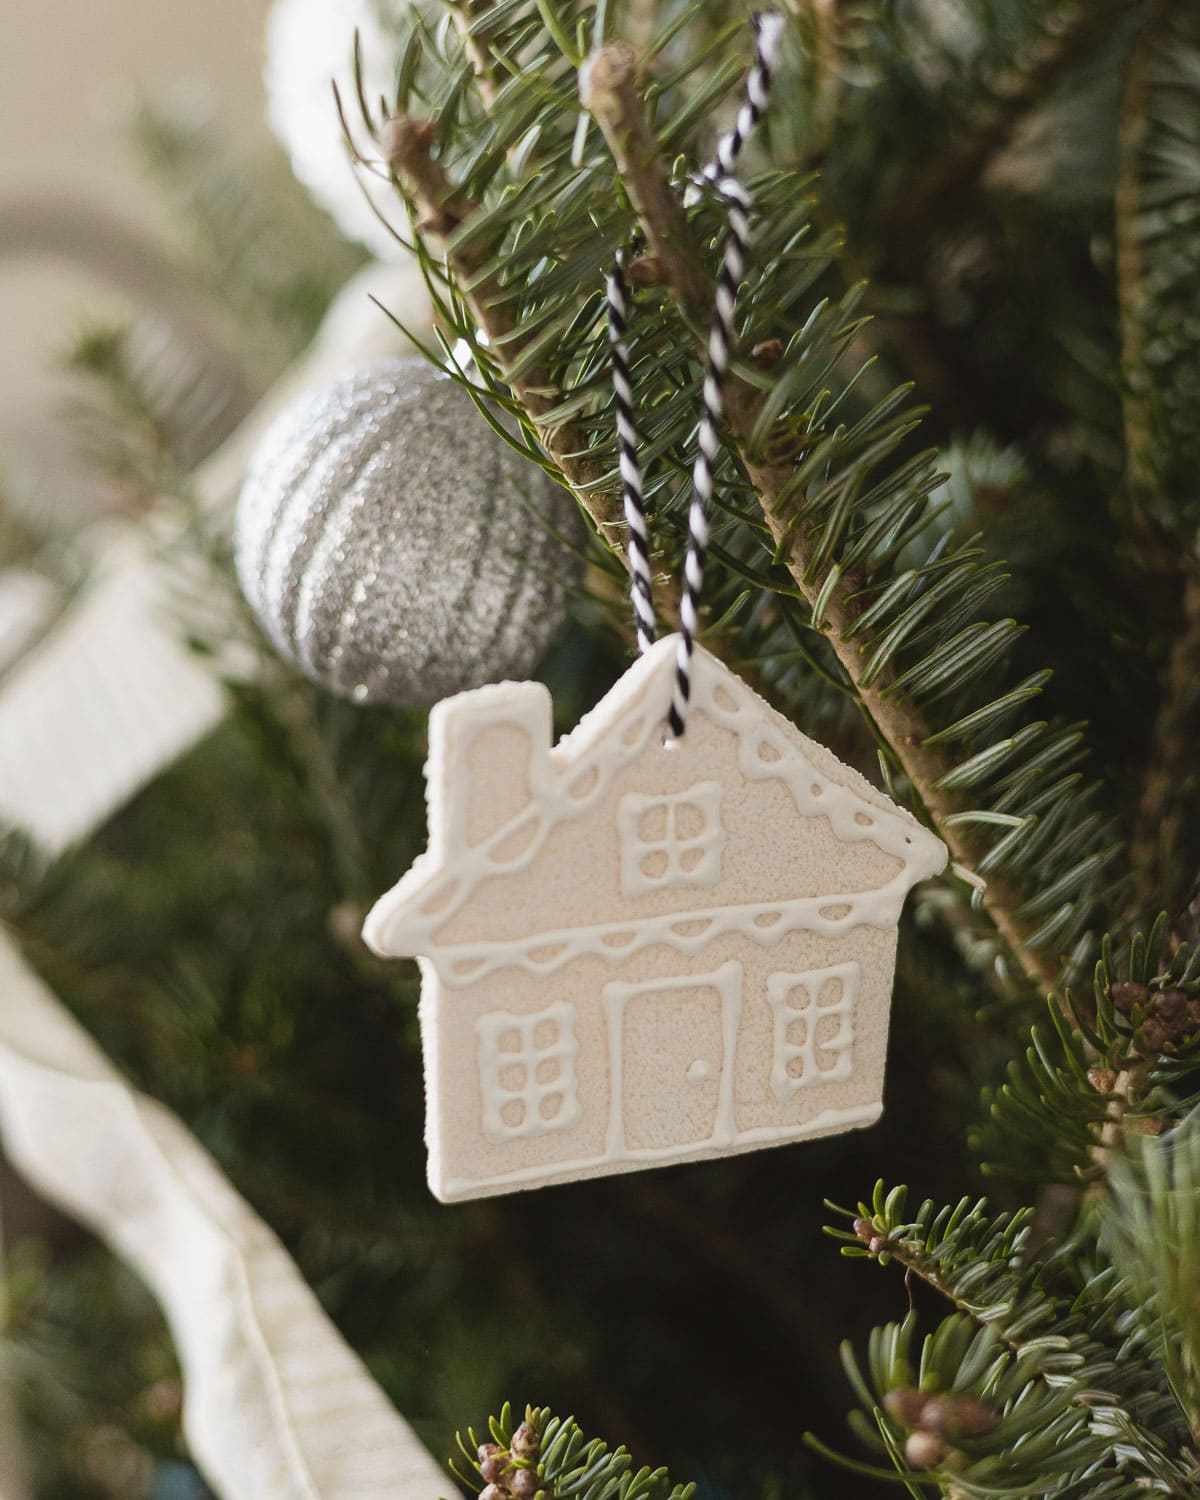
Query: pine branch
point(548, 1456)
point(1116, 1062)
point(828, 565)
point(1152, 1231)
point(1056, 35)
point(1159, 849)
point(255, 239)
point(1133, 127)
point(464, 12)
point(1075, 1372)
point(937, 114)
point(151, 406)
point(607, 88)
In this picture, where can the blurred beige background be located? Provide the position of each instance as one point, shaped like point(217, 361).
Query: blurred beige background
point(68, 69)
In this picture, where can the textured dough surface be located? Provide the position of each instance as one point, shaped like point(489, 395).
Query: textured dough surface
point(637, 953)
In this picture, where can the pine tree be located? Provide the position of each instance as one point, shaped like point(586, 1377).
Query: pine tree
point(991, 601)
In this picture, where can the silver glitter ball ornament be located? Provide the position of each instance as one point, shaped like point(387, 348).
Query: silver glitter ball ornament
point(395, 548)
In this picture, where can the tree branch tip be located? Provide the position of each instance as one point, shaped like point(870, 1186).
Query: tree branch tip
point(766, 355)
point(610, 69)
point(442, 224)
point(646, 271)
point(405, 141)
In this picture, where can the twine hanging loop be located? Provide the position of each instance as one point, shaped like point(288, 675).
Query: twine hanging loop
point(719, 176)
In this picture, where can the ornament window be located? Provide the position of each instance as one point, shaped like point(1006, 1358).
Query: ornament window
point(671, 840)
point(813, 1027)
point(527, 1072)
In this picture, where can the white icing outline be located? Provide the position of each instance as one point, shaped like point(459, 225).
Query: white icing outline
point(827, 1122)
point(705, 797)
point(619, 730)
point(727, 982)
point(779, 987)
point(461, 964)
point(493, 1060)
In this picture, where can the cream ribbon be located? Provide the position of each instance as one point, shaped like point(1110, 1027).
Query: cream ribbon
point(277, 1406)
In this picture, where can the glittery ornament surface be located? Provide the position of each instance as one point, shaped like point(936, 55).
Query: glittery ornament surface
point(395, 548)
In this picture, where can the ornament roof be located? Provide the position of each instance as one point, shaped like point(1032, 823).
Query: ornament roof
point(568, 779)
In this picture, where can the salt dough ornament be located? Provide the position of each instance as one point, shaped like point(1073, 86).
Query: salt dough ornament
point(636, 953)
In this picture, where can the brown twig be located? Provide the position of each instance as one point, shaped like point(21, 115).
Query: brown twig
point(898, 722)
point(616, 106)
point(480, 58)
point(1154, 846)
point(608, 90)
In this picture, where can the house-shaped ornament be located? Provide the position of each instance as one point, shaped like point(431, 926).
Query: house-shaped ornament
point(635, 952)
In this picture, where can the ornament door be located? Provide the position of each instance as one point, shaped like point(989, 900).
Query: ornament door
point(672, 1055)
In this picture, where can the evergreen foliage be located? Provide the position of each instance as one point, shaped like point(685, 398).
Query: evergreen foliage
point(97, 1425)
point(989, 206)
point(1045, 1343)
point(825, 508)
point(1149, 1232)
point(258, 244)
point(567, 1463)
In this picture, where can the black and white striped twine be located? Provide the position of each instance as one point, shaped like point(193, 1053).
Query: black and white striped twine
point(631, 469)
point(719, 175)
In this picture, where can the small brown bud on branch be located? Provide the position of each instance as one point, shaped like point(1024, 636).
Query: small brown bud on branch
point(1171, 1006)
point(768, 354)
point(906, 1404)
point(403, 139)
point(492, 1468)
point(871, 1238)
point(923, 1450)
point(525, 1484)
point(1154, 1035)
point(954, 1415)
point(646, 270)
point(1126, 994)
point(525, 1441)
